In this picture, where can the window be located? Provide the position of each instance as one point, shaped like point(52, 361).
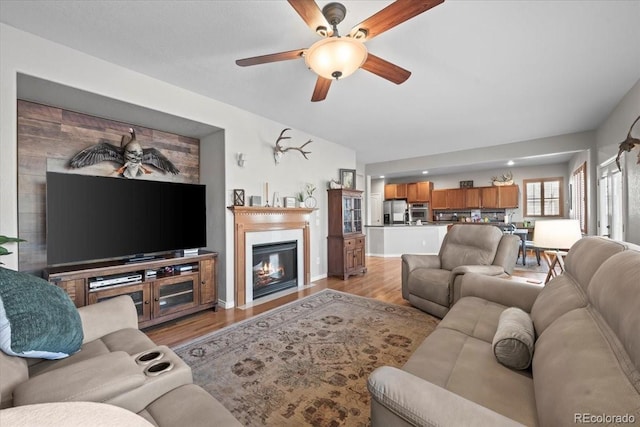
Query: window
point(578, 195)
point(543, 197)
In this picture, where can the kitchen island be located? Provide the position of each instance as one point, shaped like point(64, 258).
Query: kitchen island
point(395, 240)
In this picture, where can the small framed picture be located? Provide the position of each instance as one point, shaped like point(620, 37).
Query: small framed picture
point(289, 202)
point(238, 197)
point(466, 184)
point(348, 178)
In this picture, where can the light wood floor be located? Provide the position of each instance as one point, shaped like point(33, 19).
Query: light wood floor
point(382, 282)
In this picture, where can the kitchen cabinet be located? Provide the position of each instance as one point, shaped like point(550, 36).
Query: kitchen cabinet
point(495, 197)
point(481, 197)
point(508, 196)
point(452, 198)
point(439, 199)
point(395, 191)
point(474, 197)
point(456, 198)
point(489, 197)
point(419, 192)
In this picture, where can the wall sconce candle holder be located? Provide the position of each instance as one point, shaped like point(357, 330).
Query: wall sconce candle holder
point(242, 159)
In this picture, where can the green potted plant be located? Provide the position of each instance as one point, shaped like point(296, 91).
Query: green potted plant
point(300, 199)
point(5, 239)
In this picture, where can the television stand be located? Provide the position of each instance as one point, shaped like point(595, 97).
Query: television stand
point(169, 286)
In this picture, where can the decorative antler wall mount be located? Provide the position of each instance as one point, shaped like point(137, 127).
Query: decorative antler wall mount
point(279, 150)
point(628, 144)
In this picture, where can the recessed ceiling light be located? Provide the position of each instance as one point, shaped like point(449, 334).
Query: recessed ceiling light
point(425, 172)
point(510, 163)
point(381, 176)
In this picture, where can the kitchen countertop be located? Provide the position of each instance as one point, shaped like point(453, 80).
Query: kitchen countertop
point(430, 224)
point(395, 240)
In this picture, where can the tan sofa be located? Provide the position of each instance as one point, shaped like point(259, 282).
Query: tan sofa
point(432, 282)
point(586, 359)
point(117, 365)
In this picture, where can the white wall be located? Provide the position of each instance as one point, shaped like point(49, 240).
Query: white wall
point(21, 52)
point(608, 136)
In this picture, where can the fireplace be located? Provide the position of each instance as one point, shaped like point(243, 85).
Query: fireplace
point(256, 225)
point(275, 267)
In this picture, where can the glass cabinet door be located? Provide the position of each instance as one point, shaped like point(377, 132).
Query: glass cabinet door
point(175, 294)
point(357, 215)
point(351, 214)
point(347, 214)
point(140, 294)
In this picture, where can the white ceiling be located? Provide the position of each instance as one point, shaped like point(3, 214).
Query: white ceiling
point(484, 73)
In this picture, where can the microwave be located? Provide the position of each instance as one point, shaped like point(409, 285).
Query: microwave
point(420, 211)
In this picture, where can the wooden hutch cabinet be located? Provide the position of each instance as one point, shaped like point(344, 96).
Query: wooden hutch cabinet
point(345, 243)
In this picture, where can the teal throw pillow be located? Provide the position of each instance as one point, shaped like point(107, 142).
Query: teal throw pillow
point(37, 319)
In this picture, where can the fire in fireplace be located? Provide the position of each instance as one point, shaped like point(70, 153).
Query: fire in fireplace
point(275, 267)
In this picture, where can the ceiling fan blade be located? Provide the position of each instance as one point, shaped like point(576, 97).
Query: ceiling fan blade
point(385, 69)
point(321, 89)
point(274, 57)
point(394, 14)
point(311, 15)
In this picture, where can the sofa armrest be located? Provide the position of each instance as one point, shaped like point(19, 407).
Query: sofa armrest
point(400, 398)
point(455, 277)
point(507, 292)
point(487, 270)
point(108, 316)
point(96, 380)
point(413, 261)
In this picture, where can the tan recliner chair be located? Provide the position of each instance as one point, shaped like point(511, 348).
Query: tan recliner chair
point(432, 282)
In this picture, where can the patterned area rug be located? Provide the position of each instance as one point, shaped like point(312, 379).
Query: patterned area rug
point(306, 363)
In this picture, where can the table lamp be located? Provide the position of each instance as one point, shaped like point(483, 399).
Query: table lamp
point(556, 235)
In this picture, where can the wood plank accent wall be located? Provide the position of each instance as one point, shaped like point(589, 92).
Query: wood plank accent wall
point(47, 139)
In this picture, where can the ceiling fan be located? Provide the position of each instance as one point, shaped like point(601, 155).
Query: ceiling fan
point(336, 57)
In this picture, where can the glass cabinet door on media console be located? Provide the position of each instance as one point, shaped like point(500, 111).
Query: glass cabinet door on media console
point(140, 294)
point(175, 294)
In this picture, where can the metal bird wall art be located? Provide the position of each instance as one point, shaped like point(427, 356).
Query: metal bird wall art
point(130, 155)
point(628, 144)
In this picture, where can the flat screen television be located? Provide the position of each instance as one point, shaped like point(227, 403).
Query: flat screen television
point(92, 218)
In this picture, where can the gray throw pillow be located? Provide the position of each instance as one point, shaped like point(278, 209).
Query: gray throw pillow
point(514, 340)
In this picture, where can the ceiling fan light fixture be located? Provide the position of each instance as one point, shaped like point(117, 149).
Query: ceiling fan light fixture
point(336, 57)
point(322, 31)
point(360, 34)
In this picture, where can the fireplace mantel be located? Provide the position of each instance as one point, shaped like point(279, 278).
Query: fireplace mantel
point(258, 218)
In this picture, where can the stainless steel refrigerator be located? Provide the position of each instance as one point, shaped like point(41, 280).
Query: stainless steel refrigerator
point(395, 212)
